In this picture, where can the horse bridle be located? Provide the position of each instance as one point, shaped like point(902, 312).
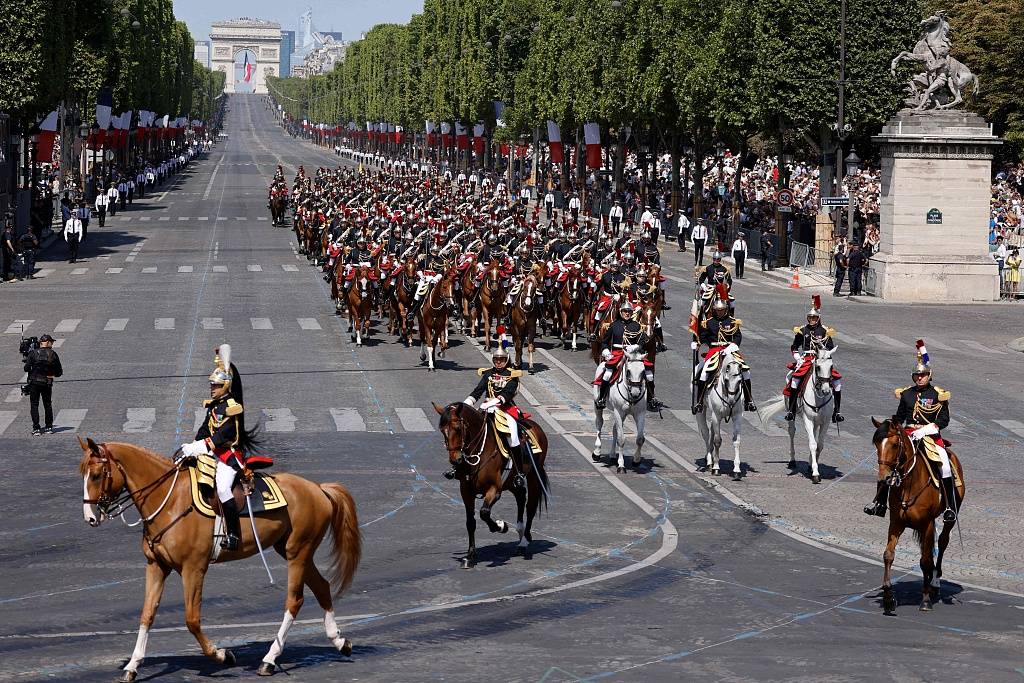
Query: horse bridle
point(625, 380)
point(466, 448)
point(728, 394)
point(110, 506)
point(896, 476)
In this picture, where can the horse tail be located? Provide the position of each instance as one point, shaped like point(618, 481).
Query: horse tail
point(545, 486)
point(347, 540)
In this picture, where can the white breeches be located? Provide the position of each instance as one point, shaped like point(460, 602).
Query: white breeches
point(425, 280)
point(947, 471)
point(794, 382)
point(703, 372)
point(513, 435)
point(605, 374)
point(225, 478)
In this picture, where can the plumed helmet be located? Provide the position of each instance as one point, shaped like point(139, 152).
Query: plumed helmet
point(923, 365)
point(434, 250)
point(626, 308)
point(629, 258)
point(717, 256)
point(720, 305)
point(815, 311)
point(499, 352)
point(222, 365)
point(492, 240)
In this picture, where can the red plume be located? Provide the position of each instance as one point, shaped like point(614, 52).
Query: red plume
point(632, 247)
point(816, 298)
point(723, 293)
point(529, 242)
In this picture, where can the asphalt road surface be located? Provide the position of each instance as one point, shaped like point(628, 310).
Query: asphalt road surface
point(663, 576)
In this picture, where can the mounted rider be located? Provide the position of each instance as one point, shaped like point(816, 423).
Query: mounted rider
point(622, 334)
point(360, 257)
point(431, 272)
point(223, 435)
point(500, 384)
point(716, 272)
point(807, 341)
point(721, 333)
point(609, 290)
point(923, 411)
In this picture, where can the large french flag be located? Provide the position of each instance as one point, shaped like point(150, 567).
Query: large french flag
point(555, 143)
point(47, 134)
point(592, 136)
point(461, 136)
point(446, 135)
point(478, 138)
point(247, 69)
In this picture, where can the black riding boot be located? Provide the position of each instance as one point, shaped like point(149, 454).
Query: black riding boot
point(877, 506)
point(791, 404)
point(602, 395)
point(233, 526)
point(453, 471)
point(748, 396)
point(837, 396)
point(698, 406)
point(950, 500)
point(653, 404)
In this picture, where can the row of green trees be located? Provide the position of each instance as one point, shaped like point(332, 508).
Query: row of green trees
point(67, 50)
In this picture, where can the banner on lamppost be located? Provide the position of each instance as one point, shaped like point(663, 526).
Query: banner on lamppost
point(555, 143)
point(431, 127)
point(478, 138)
point(446, 135)
point(592, 136)
point(461, 136)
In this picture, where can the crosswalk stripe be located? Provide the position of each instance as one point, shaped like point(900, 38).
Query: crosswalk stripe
point(145, 218)
point(203, 218)
point(212, 323)
point(67, 325)
point(750, 334)
point(116, 325)
point(70, 418)
point(847, 339)
point(13, 396)
point(45, 272)
point(222, 218)
point(57, 343)
point(163, 324)
point(784, 332)
point(348, 420)
point(261, 323)
point(139, 420)
point(254, 268)
point(185, 269)
point(980, 347)
point(129, 258)
point(113, 271)
point(220, 269)
point(18, 326)
point(279, 420)
point(182, 218)
point(241, 218)
point(1014, 426)
point(414, 420)
point(261, 218)
point(149, 269)
point(6, 418)
point(309, 324)
point(687, 418)
point(935, 344)
point(164, 218)
point(890, 342)
point(290, 267)
point(79, 271)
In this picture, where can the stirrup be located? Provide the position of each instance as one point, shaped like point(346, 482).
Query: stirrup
point(229, 542)
point(654, 405)
point(750, 407)
point(838, 417)
point(790, 416)
point(450, 473)
point(666, 307)
point(697, 408)
point(600, 403)
point(876, 509)
point(949, 515)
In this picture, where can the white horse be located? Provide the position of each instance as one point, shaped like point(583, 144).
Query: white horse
point(627, 396)
point(815, 407)
point(723, 401)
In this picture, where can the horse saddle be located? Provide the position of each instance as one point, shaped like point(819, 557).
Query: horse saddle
point(502, 425)
point(266, 496)
point(421, 290)
point(930, 450)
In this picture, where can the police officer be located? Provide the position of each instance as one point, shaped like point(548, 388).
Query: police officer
point(42, 365)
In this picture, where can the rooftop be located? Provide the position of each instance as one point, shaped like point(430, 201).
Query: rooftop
point(246, 22)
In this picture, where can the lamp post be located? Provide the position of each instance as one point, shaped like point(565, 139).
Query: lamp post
point(852, 164)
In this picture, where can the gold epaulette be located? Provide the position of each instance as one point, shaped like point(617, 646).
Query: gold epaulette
point(516, 373)
point(943, 394)
point(737, 321)
point(480, 371)
point(900, 390)
point(233, 408)
point(829, 331)
point(207, 402)
point(797, 330)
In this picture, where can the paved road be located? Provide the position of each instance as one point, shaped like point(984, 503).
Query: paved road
point(638, 577)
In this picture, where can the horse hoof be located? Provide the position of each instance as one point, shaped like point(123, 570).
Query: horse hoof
point(266, 669)
point(346, 649)
point(715, 471)
point(620, 470)
point(926, 605)
point(128, 676)
point(503, 529)
point(737, 476)
point(596, 457)
point(226, 657)
point(467, 563)
point(815, 478)
point(791, 464)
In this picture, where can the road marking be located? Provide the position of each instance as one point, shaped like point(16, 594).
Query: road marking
point(139, 420)
point(113, 271)
point(116, 325)
point(784, 332)
point(279, 420)
point(980, 347)
point(70, 418)
point(414, 420)
point(687, 418)
point(220, 269)
point(57, 343)
point(67, 325)
point(290, 267)
point(940, 346)
point(261, 218)
point(254, 268)
point(45, 272)
point(203, 218)
point(750, 334)
point(18, 326)
point(145, 218)
point(890, 342)
point(261, 323)
point(164, 218)
point(79, 271)
point(1013, 425)
point(241, 218)
point(847, 339)
point(222, 218)
point(213, 176)
point(212, 323)
point(348, 420)
point(309, 324)
point(6, 418)
point(185, 269)
point(13, 396)
point(149, 269)
point(163, 324)
point(130, 258)
point(765, 428)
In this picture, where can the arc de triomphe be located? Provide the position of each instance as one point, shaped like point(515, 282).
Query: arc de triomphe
point(234, 39)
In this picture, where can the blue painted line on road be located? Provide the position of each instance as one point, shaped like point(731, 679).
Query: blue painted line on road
point(45, 526)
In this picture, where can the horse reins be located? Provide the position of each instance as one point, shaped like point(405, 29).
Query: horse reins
point(896, 477)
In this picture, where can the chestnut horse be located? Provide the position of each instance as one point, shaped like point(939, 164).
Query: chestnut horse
point(468, 291)
point(600, 329)
point(338, 284)
point(914, 502)
point(119, 476)
point(523, 318)
point(492, 300)
point(570, 308)
point(433, 319)
point(405, 291)
point(469, 434)
point(278, 206)
point(360, 300)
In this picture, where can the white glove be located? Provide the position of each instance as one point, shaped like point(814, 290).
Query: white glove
point(490, 403)
point(192, 450)
point(606, 354)
point(633, 349)
point(469, 401)
point(731, 348)
point(797, 357)
point(921, 432)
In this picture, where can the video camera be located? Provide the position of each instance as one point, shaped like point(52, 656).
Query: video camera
point(27, 346)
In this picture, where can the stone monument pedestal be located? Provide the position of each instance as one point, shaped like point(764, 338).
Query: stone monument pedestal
point(934, 209)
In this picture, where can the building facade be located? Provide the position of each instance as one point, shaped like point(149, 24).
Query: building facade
point(202, 52)
point(287, 48)
point(247, 50)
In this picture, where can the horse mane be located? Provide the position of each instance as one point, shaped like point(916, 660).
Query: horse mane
point(83, 465)
point(882, 432)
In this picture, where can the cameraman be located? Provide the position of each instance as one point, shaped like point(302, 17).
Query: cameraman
point(42, 365)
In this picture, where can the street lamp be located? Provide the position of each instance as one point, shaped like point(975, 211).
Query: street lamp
point(852, 163)
point(125, 13)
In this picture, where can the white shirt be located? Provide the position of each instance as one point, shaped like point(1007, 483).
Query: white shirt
point(101, 200)
point(700, 232)
point(1000, 253)
point(112, 193)
point(524, 194)
point(739, 245)
point(549, 198)
point(646, 216)
point(73, 227)
point(574, 203)
point(616, 212)
point(683, 222)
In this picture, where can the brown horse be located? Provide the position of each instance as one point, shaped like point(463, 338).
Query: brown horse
point(914, 502)
point(433, 319)
point(524, 315)
point(468, 291)
point(360, 301)
point(298, 227)
point(492, 299)
point(405, 291)
point(570, 308)
point(338, 284)
point(647, 316)
point(278, 206)
point(600, 329)
point(469, 435)
point(175, 536)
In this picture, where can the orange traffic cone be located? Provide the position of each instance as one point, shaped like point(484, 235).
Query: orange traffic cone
point(795, 282)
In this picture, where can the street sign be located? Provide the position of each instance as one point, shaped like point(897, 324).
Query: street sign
point(785, 209)
point(834, 201)
point(785, 198)
point(934, 217)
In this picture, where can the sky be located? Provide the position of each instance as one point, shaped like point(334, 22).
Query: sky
point(351, 17)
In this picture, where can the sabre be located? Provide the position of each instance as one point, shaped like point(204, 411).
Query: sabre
point(255, 535)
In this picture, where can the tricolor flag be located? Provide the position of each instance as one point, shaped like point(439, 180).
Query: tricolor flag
point(461, 136)
point(478, 138)
point(104, 102)
point(555, 143)
point(694, 316)
point(47, 133)
point(592, 136)
point(247, 69)
point(446, 135)
point(431, 127)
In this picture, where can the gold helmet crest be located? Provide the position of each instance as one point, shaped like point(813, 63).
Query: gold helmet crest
point(222, 365)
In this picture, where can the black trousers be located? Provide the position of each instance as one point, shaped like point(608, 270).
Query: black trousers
point(73, 247)
point(681, 238)
point(102, 215)
point(615, 226)
point(698, 252)
point(44, 391)
point(840, 276)
point(855, 274)
point(739, 257)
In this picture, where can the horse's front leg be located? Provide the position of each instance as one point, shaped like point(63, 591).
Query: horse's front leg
point(520, 494)
point(496, 526)
point(888, 597)
point(814, 430)
point(469, 501)
point(619, 439)
point(715, 445)
point(293, 603)
point(791, 428)
point(156, 574)
point(639, 418)
point(737, 470)
point(192, 587)
point(595, 454)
